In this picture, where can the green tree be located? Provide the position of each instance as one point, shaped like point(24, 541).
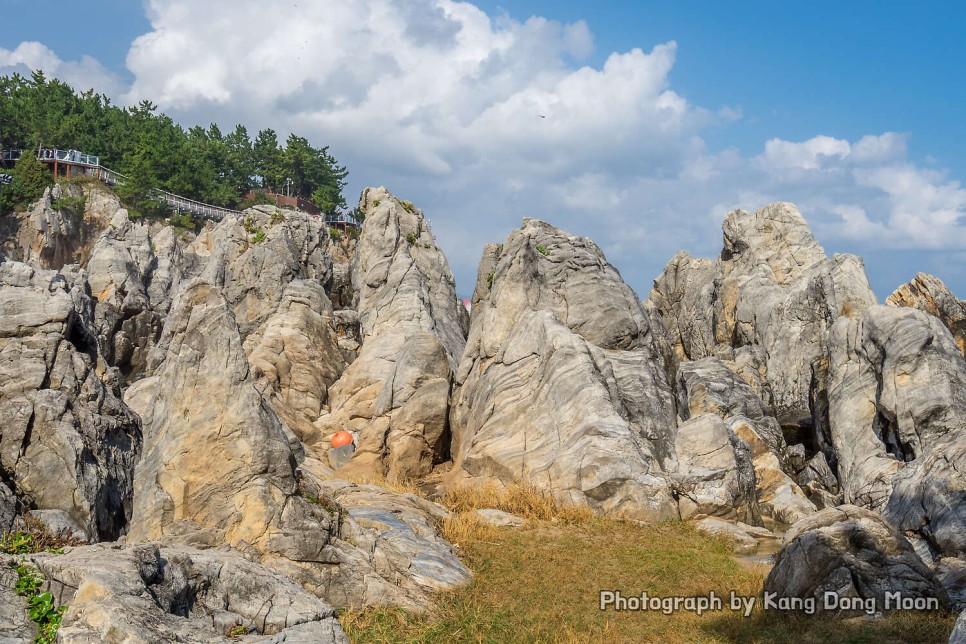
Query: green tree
point(30, 178)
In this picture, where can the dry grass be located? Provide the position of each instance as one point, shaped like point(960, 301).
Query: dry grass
point(540, 584)
point(398, 486)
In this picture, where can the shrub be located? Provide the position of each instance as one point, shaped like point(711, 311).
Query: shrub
point(411, 238)
point(408, 205)
point(257, 198)
point(335, 234)
point(74, 205)
point(40, 606)
point(249, 224)
point(277, 218)
point(543, 251)
point(259, 236)
point(353, 232)
point(183, 220)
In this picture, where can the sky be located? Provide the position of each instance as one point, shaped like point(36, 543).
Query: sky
point(660, 117)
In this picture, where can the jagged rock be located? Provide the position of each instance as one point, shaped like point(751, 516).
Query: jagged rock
point(220, 467)
point(50, 238)
point(394, 396)
point(897, 408)
point(295, 357)
point(708, 386)
point(561, 383)
point(67, 442)
point(768, 304)
point(253, 274)
point(854, 553)
point(218, 463)
point(9, 508)
point(16, 626)
point(144, 593)
point(929, 294)
point(339, 457)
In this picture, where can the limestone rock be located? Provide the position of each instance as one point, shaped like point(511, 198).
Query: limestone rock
point(394, 397)
point(715, 471)
point(15, 623)
point(708, 386)
point(144, 593)
point(218, 464)
point(50, 238)
point(768, 302)
point(67, 442)
point(561, 384)
point(295, 357)
point(854, 553)
point(928, 293)
point(897, 408)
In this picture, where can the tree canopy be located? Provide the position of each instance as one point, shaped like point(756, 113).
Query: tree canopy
point(199, 163)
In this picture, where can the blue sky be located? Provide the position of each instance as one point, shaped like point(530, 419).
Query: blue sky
point(851, 110)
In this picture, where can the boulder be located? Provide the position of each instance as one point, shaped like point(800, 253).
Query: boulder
point(928, 294)
point(855, 554)
point(394, 397)
point(897, 409)
point(744, 538)
point(561, 384)
point(958, 636)
point(67, 442)
point(151, 594)
point(709, 386)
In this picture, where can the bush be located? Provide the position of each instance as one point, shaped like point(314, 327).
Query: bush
point(259, 236)
point(277, 218)
point(183, 221)
point(411, 238)
point(30, 178)
point(335, 234)
point(74, 205)
point(257, 198)
point(543, 251)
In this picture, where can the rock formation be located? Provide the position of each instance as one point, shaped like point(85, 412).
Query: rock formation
point(67, 443)
point(395, 396)
point(767, 304)
point(560, 384)
point(855, 554)
point(897, 408)
point(929, 294)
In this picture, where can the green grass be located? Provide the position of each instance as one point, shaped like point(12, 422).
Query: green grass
point(540, 584)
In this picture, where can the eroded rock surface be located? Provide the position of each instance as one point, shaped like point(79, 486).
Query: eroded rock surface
point(897, 406)
point(928, 294)
point(854, 553)
point(67, 442)
point(395, 396)
point(561, 383)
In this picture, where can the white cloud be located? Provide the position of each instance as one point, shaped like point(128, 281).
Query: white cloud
point(442, 103)
point(83, 74)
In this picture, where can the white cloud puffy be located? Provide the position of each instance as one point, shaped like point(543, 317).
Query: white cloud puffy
point(85, 73)
point(481, 120)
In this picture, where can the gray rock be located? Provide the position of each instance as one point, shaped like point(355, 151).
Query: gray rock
point(743, 537)
point(561, 384)
point(395, 395)
point(499, 518)
point(15, 623)
point(897, 408)
point(295, 357)
point(928, 294)
point(148, 594)
point(715, 473)
point(768, 302)
point(708, 386)
point(854, 553)
point(67, 443)
point(958, 636)
point(339, 457)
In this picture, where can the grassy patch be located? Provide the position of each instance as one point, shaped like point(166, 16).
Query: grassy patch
point(543, 251)
point(541, 582)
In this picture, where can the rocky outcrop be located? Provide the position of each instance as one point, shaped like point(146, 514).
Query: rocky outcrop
point(296, 357)
point(897, 409)
point(561, 383)
point(220, 467)
point(68, 444)
point(708, 386)
point(958, 636)
point(853, 553)
point(394, 397)
point(766, 304)
point(60, 228)
point(930, 295)
point(146, 593)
